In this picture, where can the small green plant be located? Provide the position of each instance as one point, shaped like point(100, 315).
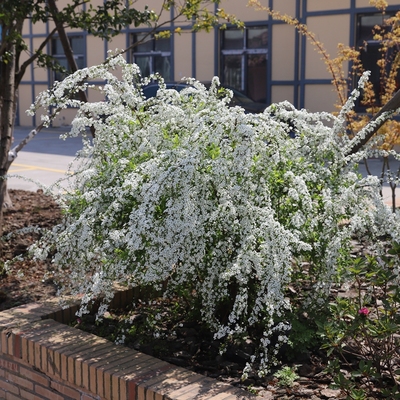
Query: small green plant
point(252, 390)
point(286, 376)
point(364, 326)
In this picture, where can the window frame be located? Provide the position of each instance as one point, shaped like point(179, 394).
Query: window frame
point(153, 53)
point(77, 56)
point(362, 44)
point(244, 52)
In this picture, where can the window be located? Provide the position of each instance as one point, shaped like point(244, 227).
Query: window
point(244, 60)
point(371, 50)
point(153, 55)
point(57, 51)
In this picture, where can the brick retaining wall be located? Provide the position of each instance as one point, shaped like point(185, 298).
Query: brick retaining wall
point(43, 358)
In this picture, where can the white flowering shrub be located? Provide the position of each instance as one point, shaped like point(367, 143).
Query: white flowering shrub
point(188, 195)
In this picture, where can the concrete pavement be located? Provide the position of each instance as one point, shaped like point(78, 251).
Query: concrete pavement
point(44, 160)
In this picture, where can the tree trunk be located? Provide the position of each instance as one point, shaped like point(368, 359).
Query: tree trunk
point(7, 113)
point(69, 54)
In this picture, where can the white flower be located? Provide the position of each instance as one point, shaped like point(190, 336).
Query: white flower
point(183, 192)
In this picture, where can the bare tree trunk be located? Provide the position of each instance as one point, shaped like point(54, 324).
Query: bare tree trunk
point(7, 113)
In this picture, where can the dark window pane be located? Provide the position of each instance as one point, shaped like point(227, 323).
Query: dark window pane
point(144, 47)
point(257, 77)
point(144, 63)
point(80, 62)
point(77, 44)
point(162, 45)
point(232, 39)
point(257, 38)
point(371, 51)
point(163, 67)
point(366, 25)
point(56, 47)
point(153, 56)
point(369, 56)
point(233, 71)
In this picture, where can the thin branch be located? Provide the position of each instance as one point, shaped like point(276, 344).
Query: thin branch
point(30, 60)
point(389, 108)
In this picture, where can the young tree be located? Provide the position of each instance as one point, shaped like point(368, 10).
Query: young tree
point(104, 21)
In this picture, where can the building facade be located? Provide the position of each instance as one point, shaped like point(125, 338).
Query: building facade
point(269, 61)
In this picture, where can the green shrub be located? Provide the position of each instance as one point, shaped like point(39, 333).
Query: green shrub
point(198, 199)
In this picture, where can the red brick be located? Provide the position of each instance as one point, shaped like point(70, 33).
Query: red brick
point(74, 394)
point(193, 390)
point(81, 358)
point(40, 345)
point(118, 355)
point(94, 357)
point(35, 377)
point(17, 346)
point(8, 387)
point(118, 383)
point(27, 347)
point(6, 363)
point(53, 355)
point(10, 396)
point(141, 393)
point(87, 397)
point(31, 352)
point(47, 394)
point(129, 379)
point(172, 380)
point(55, 347)
point(7, 319)
point(29, 395)
point(3, 341)
point(87, 346)
point(18, 381)
point(30, 311)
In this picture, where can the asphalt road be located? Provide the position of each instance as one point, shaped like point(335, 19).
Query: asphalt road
point(45, 160)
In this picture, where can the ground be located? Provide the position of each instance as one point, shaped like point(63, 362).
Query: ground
point(26, 283)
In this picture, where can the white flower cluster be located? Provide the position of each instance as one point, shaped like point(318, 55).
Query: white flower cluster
point(184, 192)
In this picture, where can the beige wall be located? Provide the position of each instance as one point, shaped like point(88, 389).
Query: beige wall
point(205, 58)
point(283, 56)
point(366, 3)
point(284, 6)
point(282, 93)
point(320, 98)
point(183, 56)
point(321, 5)
point(25, 101)
point(241, 11)
point(329, 30)
point(94, 57)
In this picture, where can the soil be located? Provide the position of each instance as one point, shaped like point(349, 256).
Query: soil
point(179, 341)
point(25, 283)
